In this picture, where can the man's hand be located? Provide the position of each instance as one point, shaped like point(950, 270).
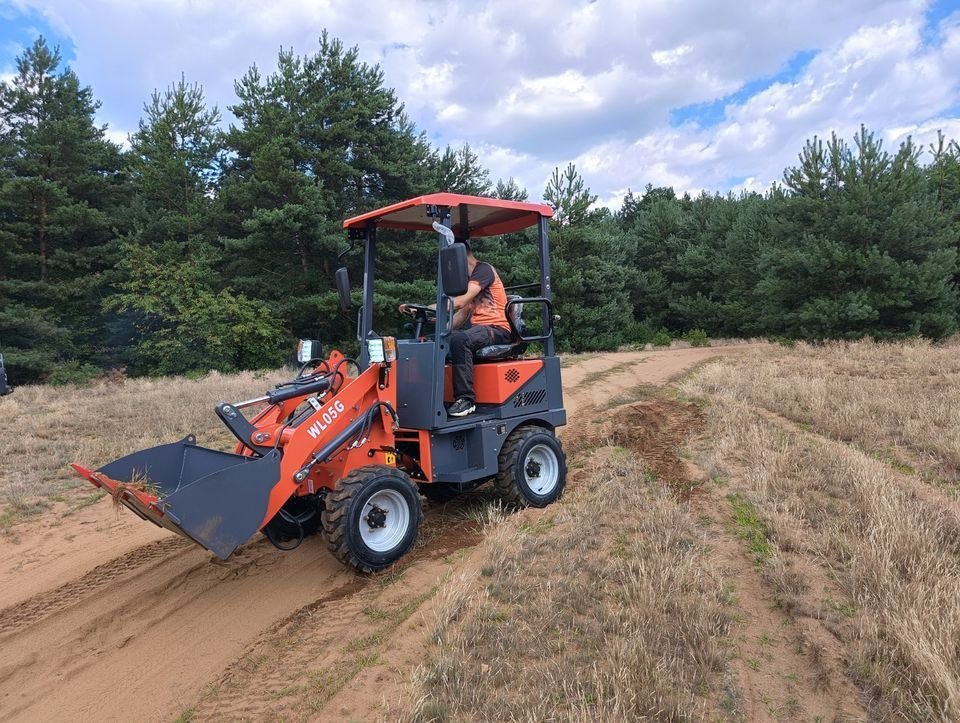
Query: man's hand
point(405, 309)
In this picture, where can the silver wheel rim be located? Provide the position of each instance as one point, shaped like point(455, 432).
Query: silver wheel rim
point(384, 520)
point(541, 470)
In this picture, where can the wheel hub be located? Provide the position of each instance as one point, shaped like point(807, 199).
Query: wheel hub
point(533, 469)
point(376, 518)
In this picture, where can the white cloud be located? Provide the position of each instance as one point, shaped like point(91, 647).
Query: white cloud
point(536, 84)
point(118, 136)
point(670, 57)
point(538, 97)
point(884, 77)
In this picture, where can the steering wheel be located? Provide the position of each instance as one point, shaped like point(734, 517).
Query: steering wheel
point(421, 315)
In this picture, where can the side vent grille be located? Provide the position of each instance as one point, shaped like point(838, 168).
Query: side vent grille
point(530, 399)
point(458, 442)
point(512, 376)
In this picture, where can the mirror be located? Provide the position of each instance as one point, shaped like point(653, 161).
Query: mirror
point(343, 287)
point(453, 269)
point(309, 350)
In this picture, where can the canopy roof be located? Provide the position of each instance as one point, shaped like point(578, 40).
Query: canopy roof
point(485, 216)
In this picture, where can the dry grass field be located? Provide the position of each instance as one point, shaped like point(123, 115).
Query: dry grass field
point(769, 533)
point(848, 454)
point(47, 428)
point(803, 563)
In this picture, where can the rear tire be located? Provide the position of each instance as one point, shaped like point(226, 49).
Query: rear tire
point(532, 469)
point(372, 517)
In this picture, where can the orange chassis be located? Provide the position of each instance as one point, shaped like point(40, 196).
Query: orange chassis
point(346, 402)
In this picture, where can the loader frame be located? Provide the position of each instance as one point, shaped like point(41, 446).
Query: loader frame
point(350, 452)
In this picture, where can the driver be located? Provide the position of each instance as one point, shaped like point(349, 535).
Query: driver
point(484, 306)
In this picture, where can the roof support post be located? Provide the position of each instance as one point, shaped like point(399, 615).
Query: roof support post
point(369, 274)
point(442, 344)
point(546, 290)
point(464, 223)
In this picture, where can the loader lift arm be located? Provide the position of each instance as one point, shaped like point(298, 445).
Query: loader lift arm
point(220, 499)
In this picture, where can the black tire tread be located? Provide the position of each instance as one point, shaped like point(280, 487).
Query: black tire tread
point(334, 517)
point(505, 482)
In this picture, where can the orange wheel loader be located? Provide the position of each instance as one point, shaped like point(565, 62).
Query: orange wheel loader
point(349, 455)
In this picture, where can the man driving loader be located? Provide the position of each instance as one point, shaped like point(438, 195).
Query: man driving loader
point(484, 307)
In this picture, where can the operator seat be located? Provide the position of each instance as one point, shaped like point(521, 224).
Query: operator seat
point(499, 352)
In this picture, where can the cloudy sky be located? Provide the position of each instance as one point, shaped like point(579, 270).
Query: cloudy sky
point(697, 94)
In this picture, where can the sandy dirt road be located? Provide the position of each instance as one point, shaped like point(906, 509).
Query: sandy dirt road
point(105, 617)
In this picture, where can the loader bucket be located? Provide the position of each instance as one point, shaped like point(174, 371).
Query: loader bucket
point(217, 499)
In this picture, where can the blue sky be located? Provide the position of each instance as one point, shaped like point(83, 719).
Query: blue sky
point(20, 27)
point(711, 113)
point(691, 93)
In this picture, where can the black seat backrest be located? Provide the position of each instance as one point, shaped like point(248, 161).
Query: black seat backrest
point(516, 315)
point(516, 347)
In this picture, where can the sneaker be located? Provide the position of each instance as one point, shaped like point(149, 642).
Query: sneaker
point(461, 408)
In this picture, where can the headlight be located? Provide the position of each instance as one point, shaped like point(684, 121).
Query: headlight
point(308, 350)
point(382, 349)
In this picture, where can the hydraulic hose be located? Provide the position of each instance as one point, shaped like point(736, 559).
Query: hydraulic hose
point(336, 370)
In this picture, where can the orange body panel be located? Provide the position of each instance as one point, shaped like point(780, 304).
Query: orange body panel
point(353, 399)
point(496, 382)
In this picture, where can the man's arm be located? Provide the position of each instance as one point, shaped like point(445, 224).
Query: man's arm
point(462, 316)
point(466, 300)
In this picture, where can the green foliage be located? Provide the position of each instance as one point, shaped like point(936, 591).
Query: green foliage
point(662, 338)
point(73, 372)
point(174, 162)
point(569, 196)
point(60, 195)
point(185, 324)
point(697, 337)
point(639, 333)
point(203, 249)
point(510, 190)
point(861, 248)
point(460, 171)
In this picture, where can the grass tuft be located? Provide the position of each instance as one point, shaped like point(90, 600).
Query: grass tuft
point(750, 527)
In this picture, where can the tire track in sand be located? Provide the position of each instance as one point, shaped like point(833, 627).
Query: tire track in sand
point(143, 634)
point(136, 562)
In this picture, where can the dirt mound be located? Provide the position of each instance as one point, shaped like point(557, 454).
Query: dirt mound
point(656, 429)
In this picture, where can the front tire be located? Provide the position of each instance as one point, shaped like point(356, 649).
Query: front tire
point(532, 469)
point(372, 517)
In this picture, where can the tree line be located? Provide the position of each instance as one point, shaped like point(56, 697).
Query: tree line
point(205, 247)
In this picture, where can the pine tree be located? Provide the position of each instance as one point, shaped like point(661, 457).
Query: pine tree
point(175, 160)
point(176, 312)
point(510, 190)
point(569, 196)
point(318, 140)
point(460, 171)
point(59, 206)
point(862, 249)
point(591, 277)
